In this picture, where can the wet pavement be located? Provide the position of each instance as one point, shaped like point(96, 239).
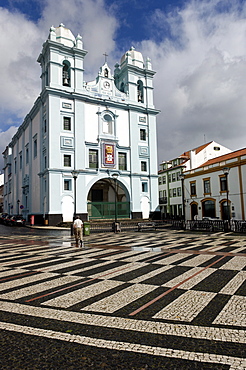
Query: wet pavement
point(141, 300)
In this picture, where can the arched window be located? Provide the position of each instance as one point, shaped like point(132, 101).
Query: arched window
point(105, 72)
point(107, 126)
point(66, 73)
point(140, 91)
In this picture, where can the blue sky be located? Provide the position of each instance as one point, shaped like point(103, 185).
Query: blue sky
point(197, 48)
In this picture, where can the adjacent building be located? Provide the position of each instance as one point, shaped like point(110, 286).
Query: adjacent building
point(217, 188)
point(85, 147)
point(170, 184)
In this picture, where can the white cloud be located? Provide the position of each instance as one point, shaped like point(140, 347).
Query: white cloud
point(5, 138)
point(21, 42)
point(200, 85)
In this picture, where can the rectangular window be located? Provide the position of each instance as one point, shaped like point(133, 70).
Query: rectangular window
point(160, 194)
point(93, 158)
point(206, 186)
point(27, 155)
point(35, 148)
point(67, 160)
point(67, 123)
point(174, 192)
point(143, 166)
point(122, 161)
point(179, 192)
point(164, 193)
point(15, 165)
point(45, 125)
point(67, 185)
point(160, 180)
point(173, 176)
point(142, 134)
point(192, 188)
point(169, 178)
point(223, 183)
point(164, 179)
point(144, 187)
point(20, 160)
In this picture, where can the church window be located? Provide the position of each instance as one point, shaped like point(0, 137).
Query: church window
point(27, 155)
point(140, 91)
point(93, 158)
point(67, 123)
point(142, 134)
point(144, 187)
point(143, 166)
point(35, 148)
point(20, 160)
point(122, 87)
point(122, 161)
point(66, 73)
point(107, 124)
point(67, 160)
point(67, 185)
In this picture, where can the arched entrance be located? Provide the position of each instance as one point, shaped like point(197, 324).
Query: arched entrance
point(108, 198)
point(225, 210)
point(194, 210)
point(208, 208)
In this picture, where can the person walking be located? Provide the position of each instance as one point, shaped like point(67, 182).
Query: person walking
point(78, 231)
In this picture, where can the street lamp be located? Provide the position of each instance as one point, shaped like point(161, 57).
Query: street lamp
point(75, 176)
point(18, 206)
point(115, 177)
point(226, 173)
point(181, 177)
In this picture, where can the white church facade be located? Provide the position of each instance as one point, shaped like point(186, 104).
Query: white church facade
point(85, 147)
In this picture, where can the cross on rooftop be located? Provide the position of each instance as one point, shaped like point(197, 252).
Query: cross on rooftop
point(106, 55)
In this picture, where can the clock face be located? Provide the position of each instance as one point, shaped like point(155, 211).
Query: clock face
point(106, 85)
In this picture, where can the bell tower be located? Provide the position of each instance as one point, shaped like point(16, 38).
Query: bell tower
point(62, 60)
point(134, 77)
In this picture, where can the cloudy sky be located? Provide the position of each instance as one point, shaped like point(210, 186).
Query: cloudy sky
point(197, 48)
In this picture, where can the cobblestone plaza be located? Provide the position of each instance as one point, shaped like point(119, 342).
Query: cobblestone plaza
point(140, 300)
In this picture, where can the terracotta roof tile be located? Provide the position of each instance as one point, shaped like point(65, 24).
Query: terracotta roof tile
point(225, 157)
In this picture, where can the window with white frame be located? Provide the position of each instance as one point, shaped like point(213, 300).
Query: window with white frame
point(142, 134)
point(67, 161)
point(93, 158)
point(143, 166)
point(122, 161)
point(67, 184)
point(144, 187)
point(107, 124)
point(67, 123)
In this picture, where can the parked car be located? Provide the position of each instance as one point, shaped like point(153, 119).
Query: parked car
point(7, 219)
point(17, 221)
point(2, 217)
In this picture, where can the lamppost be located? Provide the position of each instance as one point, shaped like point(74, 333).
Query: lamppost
point(115, 177)
point(18, 206)
point(226, 172)
point(181, 177)
point(75, 176)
